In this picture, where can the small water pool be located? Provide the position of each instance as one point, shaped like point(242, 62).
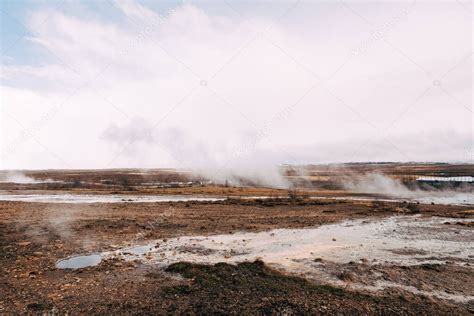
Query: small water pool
point(79, 262)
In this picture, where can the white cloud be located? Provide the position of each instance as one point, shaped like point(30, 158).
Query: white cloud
point(220, 88)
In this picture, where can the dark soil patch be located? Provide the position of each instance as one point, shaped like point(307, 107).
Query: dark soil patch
point(253, 288)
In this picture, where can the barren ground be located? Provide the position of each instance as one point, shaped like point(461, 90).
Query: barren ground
point(34, 236)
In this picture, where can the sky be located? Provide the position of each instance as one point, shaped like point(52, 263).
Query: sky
point(217, 84)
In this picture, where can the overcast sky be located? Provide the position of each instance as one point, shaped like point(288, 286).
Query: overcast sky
point(103, 84)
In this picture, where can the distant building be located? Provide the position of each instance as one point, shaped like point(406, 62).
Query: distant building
point(468, 179)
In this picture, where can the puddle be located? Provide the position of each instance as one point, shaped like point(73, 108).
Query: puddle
point(97, 198)
point(79, 262)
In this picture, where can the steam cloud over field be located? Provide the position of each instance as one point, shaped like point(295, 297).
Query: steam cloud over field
point(239, 87)
point(377, 183)
point(17, 177)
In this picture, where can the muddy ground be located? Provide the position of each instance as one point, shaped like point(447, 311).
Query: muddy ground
point(33, 236)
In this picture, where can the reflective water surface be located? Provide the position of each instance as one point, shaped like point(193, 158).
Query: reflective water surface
point(79, 262)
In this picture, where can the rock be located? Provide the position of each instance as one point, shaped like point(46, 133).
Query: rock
point(35, 306)
point(55, 296)
point(347, 276)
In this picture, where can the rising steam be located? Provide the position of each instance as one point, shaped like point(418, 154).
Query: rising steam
point(17, 177)
point(238, 164)
point(376, 183)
